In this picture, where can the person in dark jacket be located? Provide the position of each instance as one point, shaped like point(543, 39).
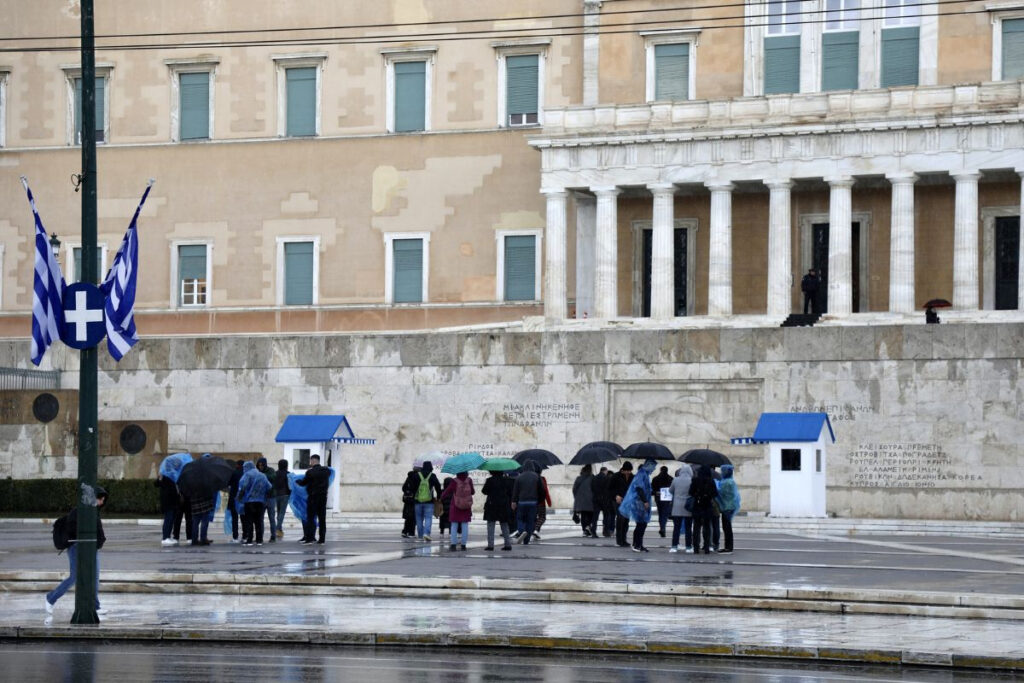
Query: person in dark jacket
point(315, 480)
point(809, 285)
point(270, 504)
point(603, 502)
point(583, 500)
point(170, 506)
point(526, 493)
point(72, 525)
point(704, 491)
point(282, 493)
point(618, 484)
point(236, 476)
point(662, 481)
point(444, 520)
point(409, 505)
point(425, 490)
point(498, 507)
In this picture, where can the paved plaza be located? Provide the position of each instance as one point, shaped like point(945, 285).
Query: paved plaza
point(827, 592)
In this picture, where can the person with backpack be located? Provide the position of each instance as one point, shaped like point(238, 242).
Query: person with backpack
point(704, 491)
point(65, 536)
point(461, 510)
point(426, 489)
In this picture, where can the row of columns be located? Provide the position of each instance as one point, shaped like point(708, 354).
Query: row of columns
point(840, 266)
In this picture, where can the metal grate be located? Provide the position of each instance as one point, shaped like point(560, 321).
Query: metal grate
point(18, 378)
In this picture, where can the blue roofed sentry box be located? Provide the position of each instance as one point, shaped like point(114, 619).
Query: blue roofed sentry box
point(312, 428)
point(791, 427)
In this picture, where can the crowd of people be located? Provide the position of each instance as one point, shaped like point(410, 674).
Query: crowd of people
point(699, 501)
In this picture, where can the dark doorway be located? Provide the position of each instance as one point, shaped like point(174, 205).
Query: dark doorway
point(679, 271)
point(1007, 262)
point(819, 261)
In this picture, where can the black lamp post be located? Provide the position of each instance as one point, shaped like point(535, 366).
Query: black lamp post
point(55, 245)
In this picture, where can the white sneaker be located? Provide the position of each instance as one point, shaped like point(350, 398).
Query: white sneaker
point(49, 606)
point(689, 551)
point(167, 542)
point(100, 611)
point(426, 539)
point(674, 549)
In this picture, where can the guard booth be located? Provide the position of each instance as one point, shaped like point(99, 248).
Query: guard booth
point(797, 445)
point(305, 435)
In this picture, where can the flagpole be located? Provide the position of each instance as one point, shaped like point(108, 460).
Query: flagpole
point(86, 583)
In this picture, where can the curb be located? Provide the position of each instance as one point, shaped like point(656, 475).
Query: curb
point(473, 640)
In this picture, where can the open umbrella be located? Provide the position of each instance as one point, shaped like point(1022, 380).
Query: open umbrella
point(595, 452)
point(171, 466)
point(500, 465)
point(204, 477)
point(538, 455)
point(463, 462)
point(435, 458)
point(648, 450)
point(937, 303)
point(705, 456)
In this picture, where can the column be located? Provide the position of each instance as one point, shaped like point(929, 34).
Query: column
point(591, 50)
point(720, 252)
point(1020, 255)
point(586, 217)
point(840, 253)
point(606, 251)
point(554, 266)
point(901, 243)
point(780, 251)
point(965, 241)
point(663, 252)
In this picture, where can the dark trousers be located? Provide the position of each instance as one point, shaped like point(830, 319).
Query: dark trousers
point(664, 512)
point(608, 513)
point(716, 531)
point(253, 517)
point(316, 515)
point(234, 518)
point(809, 303)
point(638, 534)
point(169, 517)
point(702, 530)
point(727, 528)
point(588, 520)
point(526, 514)
point(408, 526)
point(621, 529)
point(684, 524)
point(186, 507)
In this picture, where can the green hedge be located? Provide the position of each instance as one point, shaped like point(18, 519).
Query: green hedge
point(125, 496)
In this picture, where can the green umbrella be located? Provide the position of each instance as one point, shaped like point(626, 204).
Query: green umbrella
point(463, 462)
point(500, 465)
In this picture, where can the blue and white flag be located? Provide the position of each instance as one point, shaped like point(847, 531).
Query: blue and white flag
point(119, 289)
point(47, 290)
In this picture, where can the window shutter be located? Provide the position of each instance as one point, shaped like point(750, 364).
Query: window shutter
point(195, 105)
point(408, 271)
point(192, 262)
point(781, 64)
point(840, 59)
point(521, 75)
point(672, 72)
point(298, 273)
point(301, 114)
point(1013, 49)
point(899, 56)
point(520, 268)
point(410, 96)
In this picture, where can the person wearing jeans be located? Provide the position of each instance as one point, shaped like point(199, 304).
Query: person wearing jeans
point(72, 525)
point(729, 503)
point(425, 490)
point(525, 493)
point(497, 507)
point(682, 518)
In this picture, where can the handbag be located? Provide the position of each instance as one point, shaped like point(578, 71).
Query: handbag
point(688, 504)
point(438, 509)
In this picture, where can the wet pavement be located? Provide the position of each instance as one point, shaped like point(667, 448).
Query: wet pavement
point(879, 598)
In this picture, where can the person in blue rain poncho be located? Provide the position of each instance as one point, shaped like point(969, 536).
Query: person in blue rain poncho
point(252, 494)
point(636, 504)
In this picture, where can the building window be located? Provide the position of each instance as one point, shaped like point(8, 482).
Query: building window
point(841, 45)
point(406, 267)
point(671, 62)
point(782, 47)
point(1011, 49)
point(408, 88)
point(901, 48)
point(790, 459)
point(193, 274)
point(519, 265)
point(299, 94)
point(3, 108)
point(298, 271)
point(74, 265)
point(74, 83)
point(192, 98)
point(521, 83)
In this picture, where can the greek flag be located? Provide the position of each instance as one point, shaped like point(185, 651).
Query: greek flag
point(47, 290)
point(119, 289)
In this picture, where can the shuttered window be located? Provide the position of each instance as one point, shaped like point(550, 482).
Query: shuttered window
point(77, 256)
point(192, 274)
point(410, 96)
point(782, 64)
point(301, 101)
point(194, 108)
point(522, 73)
point(900, 49)
point(298, 273)
point(101, 86)
point(839, 63)
point(407, 266)
point(1013, 49)
point(520, 268)
point(672, 71)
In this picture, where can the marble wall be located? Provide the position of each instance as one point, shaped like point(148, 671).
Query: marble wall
point(929, 420)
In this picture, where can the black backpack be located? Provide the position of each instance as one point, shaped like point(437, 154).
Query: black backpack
point(61, 533)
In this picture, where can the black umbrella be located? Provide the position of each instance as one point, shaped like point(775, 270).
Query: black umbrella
point(594, 453)
point(538, 455)
point(705, 456)
point(648, 450)
point(204, 477)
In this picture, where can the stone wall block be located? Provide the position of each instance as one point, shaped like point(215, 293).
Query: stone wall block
point(578, 348)
point(316, 377)
point(1010, 341)
point(284, 353)
point(950, 342)
point(858, 343)
point(310, 350)
point(15, 354)
point(154, 354)
point(736, 345)
point(769, 344)
point(702, 346)
point(258, 353)
point(919, 340)
point(376, 351)
point(182, 353)
point(207, 352)
point(980, 341)
point(888, 342)
point(337, 351)
point(234, 352)
point(813, 343)
point(106, 362)
point(524, 348)
point(617, 346)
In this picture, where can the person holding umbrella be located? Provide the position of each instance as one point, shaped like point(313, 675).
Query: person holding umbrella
point(603, 504)
point(583, 500)
point(618, 485)
point(636, 504)
point(498, 507)
point(525, 493)
point(663, 500)
point(704, 491)
point(460, 491)
point(681, 517)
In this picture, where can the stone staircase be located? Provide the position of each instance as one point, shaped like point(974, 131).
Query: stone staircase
point(801, 320)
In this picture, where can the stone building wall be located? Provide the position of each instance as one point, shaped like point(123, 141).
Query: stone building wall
point(929, 420)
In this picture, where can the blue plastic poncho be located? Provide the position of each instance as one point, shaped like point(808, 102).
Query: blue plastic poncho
point(253, 486)
point(632, 505)
point(299, 497)
point(172, 464)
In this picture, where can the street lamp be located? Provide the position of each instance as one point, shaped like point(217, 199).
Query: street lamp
point(55, 245)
